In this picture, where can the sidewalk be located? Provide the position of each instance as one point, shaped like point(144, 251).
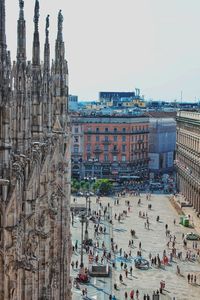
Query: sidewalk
point(189, 211)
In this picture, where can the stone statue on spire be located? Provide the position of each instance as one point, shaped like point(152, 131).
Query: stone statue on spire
point(60, 22)
point(47, 26)
point(37, 8)
point(21, 4)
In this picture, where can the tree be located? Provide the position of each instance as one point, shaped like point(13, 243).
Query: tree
point(103, 186)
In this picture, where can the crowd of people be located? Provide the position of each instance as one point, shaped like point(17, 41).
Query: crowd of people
point(107, 252)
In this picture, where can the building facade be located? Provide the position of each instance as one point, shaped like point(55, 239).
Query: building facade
point(187, 156)
point(162, 144)
point(35, 241)
point(112, 146)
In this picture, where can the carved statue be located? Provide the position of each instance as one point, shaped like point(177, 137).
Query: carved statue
point(60, 21)
point(47, 25)
point(21, 4)
point(31, 245)
point(11, 272)
point(36, 15)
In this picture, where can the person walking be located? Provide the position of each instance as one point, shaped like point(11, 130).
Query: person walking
point(195, 279)
point(137, 294)
point(125, 295)
point(131, 270)
point(132, 294)
point(188, 277)
point(126, 273)
point(191, 278)
point(140, 245)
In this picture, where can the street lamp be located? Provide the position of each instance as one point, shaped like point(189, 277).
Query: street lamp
point(90, 180)
point(82, 220)
point(86, 230)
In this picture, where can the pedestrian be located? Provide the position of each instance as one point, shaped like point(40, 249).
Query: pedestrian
point(137, 294)
point(178, 270)
point(121, 278)
point(125, 295)
point(188, 277)
point(132, 294)
point(174, 221)
point(140, 245)
point(145, 297)
point(131, 270)
point(126, 273)
point(110, 297)
point(72, 264)
point(77, 264)
point(191, 278)
point(195, 279)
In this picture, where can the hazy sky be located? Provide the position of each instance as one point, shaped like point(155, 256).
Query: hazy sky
point(121, 45)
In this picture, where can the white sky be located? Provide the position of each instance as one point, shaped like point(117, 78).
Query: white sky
point(121, 45)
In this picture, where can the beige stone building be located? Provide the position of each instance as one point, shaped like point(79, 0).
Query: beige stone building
point(188, 156)
point(35, 241)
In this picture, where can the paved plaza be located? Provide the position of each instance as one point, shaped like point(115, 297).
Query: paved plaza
point(153, 240)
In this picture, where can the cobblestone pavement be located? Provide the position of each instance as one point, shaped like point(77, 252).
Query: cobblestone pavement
point(153, 240)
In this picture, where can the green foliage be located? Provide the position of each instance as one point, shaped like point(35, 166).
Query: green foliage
point(103, 186)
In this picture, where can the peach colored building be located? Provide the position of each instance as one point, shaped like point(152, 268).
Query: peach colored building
point(114, 146)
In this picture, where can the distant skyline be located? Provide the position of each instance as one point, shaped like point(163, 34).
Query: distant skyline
point(120, 45)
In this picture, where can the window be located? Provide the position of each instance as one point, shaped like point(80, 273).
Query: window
point(105, 157)
point(133, 138)
point(97, 147)
point(114, 157)
point(97, 138)
point(89, 138)
point(76, 129)
point(106, 138)
point(76, 139)
point(88, 147)
point(124, 130)
point(115, 138)
point(115, 147)
point(88, 156)
point(76, 149)
point(106, 147)
point(123, 148)
point(97, 157)
point(106, 129)
point(115, 129)
point(123, 138)
point(97, 129)
point(123, 157)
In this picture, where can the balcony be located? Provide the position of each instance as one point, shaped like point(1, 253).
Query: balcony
point(106, 142)
point(97, 150)
point(115, 151)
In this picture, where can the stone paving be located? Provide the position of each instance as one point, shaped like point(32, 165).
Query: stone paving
point(153, 240)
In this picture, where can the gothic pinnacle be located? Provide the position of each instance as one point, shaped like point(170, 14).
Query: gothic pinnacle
point(60, 26)
point(21, 6)
point(21, 34)
point(36, 39)
point(36, 14)
point(2, 24)
point(47, 28)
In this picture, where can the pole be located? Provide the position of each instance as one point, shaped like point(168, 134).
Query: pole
point(86, 231)
point(82, 221)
